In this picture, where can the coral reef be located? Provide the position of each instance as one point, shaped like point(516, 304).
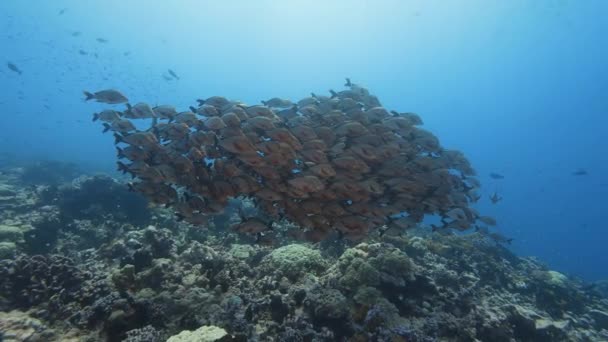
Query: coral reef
point(167, 280)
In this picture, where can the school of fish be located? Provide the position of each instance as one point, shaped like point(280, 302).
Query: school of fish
point(331, 164)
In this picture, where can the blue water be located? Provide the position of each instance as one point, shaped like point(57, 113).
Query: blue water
point(521, 87)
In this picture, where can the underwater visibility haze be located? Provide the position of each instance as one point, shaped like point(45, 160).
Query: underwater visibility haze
point(304, 170)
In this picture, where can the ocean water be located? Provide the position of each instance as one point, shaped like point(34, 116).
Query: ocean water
point(521, 87)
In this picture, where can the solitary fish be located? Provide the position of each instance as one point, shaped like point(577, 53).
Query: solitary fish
point(14, 68)
point(495, 198)
point(495, 175)
point(62, 11)
point(580, 172)
point(102, 40)
point(172, 73)
point(109, 96)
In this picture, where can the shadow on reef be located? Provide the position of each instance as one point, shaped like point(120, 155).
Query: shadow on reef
point(83, 213)
point(49, 172)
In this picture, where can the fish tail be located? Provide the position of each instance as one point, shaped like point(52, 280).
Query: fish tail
point(122, 167)
point(200, 102)
point(106, 127)
point(95, 116)
point(88, 95)
point(333, 93)
point(117, 138)
point(192, 109)
point(129, 107)
point(264, 102)
point(179, 217)
point(119, 152)
point(131, 187)
point(348, 83)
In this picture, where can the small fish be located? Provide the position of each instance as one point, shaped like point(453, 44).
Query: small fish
point(107, 115)
point(495, 175)
point(495, 198)
point(14, 68)
point(276, 102)
point(172, 73)
point(82, 52)
point(139, 111)
point(580, 172)
point(126, 53)
point(75, 33)
point(101, 40)
point(109, 96)
point(62, 11)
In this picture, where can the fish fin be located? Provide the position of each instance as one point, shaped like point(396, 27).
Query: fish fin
point(200, 102)
point(106, 127)
point(117, 138)
point(88, 95)
point(313, 95)
point(122, 167)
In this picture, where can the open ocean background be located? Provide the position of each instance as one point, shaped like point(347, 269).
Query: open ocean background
point(521, 87)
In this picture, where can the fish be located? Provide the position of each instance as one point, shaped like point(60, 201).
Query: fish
point(495, 175)
point(490, 221)
point(107, 115)
point(140, 139)
point(139, 111)
point(165, 112)
point(109, 96)
point(14, 68)
point(332, 166)
point(120, 126)
point(101, 40)
point(62, 11)
point(495, 198)
point(82, 52)
point(216, 101)
point(76, 33)
point(172, 73)
point(580, 172)
point(276, 102)
point(133, 153)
